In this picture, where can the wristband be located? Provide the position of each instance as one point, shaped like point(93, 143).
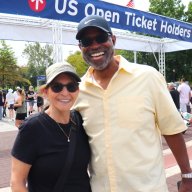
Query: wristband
point(187, 175)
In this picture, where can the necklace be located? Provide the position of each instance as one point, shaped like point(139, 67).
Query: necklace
point(68, 136)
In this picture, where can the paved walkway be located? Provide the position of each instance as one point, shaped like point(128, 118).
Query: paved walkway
point(8, 133)
point(171, 168)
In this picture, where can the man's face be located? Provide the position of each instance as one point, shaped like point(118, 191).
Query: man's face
point(97, 48)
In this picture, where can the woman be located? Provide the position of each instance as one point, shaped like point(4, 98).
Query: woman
point(40, 102)
point(5, 104)
point(1, 104)
point(42, 146)
point(31, 99)
point(20, 108)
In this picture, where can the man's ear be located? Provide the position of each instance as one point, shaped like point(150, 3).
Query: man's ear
point(80, 46)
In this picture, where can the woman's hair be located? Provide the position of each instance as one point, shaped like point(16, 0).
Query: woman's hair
point(22, 93)
point(41, 89)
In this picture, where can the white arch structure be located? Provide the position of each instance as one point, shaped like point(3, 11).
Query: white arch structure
point(34, 29)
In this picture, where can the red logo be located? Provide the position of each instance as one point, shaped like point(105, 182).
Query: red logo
point(37, 5)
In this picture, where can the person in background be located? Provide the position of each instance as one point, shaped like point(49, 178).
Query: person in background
point(185, 95)
point(174, 94)
point(15, 93)
point(5, 104)
point(41, 149)
point(40, 102)
point(191, 95)
point(20, 108)
point(31, 99)
point(126, 107)
point(1, 104)
point(10, 103)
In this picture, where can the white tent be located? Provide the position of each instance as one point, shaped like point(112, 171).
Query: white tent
point(33, 29)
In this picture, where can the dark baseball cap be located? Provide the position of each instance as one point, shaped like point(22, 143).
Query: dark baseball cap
point(92, 21)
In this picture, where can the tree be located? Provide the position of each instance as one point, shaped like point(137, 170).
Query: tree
point(178, 64)
point(39, 58)
point(10, 73)
point(189, 13)
point(77, 61)
point(169, 8)
point(127, 54)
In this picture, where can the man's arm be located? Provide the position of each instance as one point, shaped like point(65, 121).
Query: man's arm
point(177, 145)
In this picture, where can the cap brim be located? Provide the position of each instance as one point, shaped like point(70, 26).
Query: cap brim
point(76, 77)
point(80, 32)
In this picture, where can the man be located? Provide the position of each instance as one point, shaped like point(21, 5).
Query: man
point(174, 94)
point(15, 93)
point(185, 96)
point(10, 103)
point(125, 108)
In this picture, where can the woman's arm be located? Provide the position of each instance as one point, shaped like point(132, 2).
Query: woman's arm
point(19, 174)
point(18, 102)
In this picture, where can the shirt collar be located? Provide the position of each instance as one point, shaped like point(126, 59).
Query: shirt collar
point(124, 65)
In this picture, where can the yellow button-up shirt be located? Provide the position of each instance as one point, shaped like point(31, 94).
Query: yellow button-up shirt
point(124, 124)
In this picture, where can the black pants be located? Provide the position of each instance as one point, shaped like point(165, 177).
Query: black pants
point(4, 112)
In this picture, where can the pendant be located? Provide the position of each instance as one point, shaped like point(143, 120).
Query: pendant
point(68, 140)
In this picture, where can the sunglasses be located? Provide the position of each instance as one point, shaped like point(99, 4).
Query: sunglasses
point(58, 87)
point(102, 38)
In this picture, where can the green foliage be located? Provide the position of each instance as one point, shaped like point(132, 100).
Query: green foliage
point(77, 61)
point(169, 8)
point(178, 64)
point(189, 13)
point(39, 57)
point(142, 57)
point(10, 73)
point(127, 54)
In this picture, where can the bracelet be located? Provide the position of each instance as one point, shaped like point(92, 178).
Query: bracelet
point(187, 175)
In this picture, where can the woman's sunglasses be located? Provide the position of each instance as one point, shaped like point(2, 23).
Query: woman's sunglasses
point(101, 38)
point(58, 87)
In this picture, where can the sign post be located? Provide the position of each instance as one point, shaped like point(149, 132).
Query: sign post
point(41, 79)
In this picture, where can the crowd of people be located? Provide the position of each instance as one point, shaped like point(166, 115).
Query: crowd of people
point(182, 98)
point(109, 124)
point(16, 105)
point(182, 95)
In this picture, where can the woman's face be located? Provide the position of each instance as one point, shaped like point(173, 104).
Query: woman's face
point(62, 99)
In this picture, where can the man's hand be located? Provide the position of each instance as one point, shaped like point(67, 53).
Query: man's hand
point(186, 185)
